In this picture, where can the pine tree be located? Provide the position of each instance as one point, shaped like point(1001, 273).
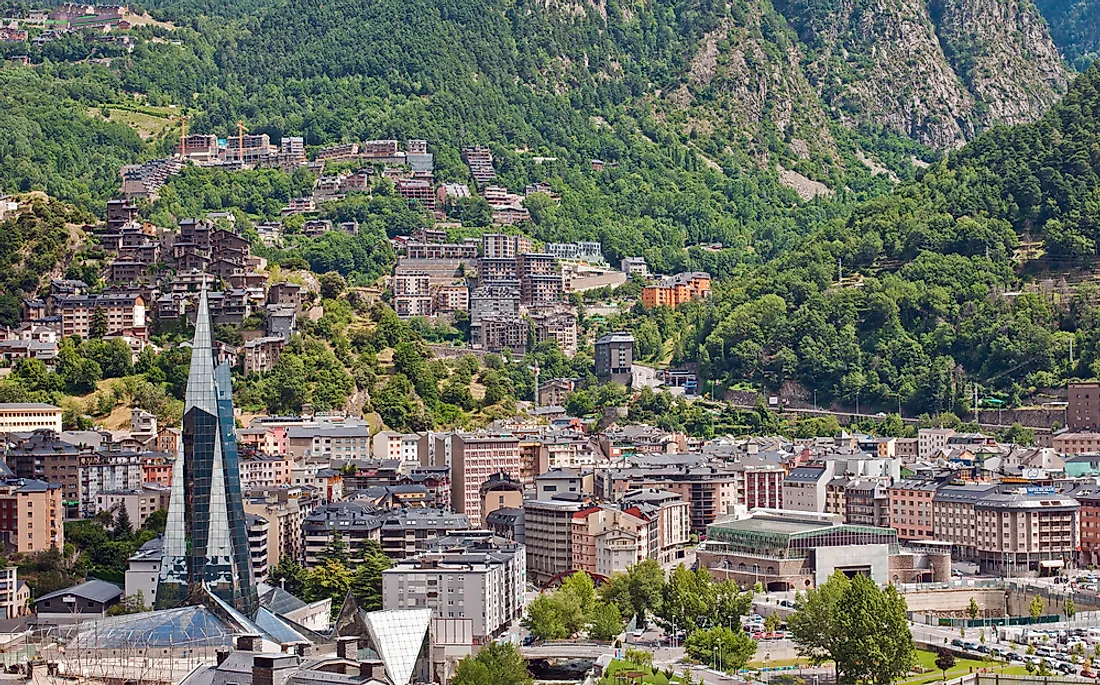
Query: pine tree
point(98, 326)
point(122, 528)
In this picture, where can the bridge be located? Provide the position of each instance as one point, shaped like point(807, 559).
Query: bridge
point(558, 650)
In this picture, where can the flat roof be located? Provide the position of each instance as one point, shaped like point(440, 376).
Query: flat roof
point(7, 406)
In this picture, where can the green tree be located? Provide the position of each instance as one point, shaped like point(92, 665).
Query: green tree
point(543, 619)
point(972, 609)
point(605, 622)
point(945, 661)
point(814, 624)
point(328, 580)
point(332, 285)
point(1035, 608)
point(122, 528)
point(1069, 608)
point(130, 604)
point(336, 549)
point(98, 326)
point(875, 646)
point(498, 663)
point(638, 591)
point(366, 584)
point(772, 622)
point(289, 575)
point(721, 647)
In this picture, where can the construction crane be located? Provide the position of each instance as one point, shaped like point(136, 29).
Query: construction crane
point(183, 137)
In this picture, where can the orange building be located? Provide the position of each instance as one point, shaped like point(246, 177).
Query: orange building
point(673, 291)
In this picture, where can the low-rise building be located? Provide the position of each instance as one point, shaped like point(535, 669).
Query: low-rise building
point(673, 291)
point(138, 503)
point(88, 601)
point(785, 551)
point(26, 417)
point(260, 354)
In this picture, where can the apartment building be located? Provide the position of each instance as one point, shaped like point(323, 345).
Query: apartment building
point(614, 357)
point(560, 326)
point(1008, 530)
point(411, 294)
point(608, 540)
point(480, 161)
point(15, 594)
point(760, 483)
point(501, 246)
point(417, 190)
point(410, 449)
point(539, 278)
point(122, 312)
point(400, 532)
point(496, 333)
point(494, 300)
point(473, 577)
point(587, 251)
point(931, 440)
point(1077, 442)
point(330, 440)
point(466, 250)
point(108, 470)
point(804, 488)
point(548, 536)
point(634, 266)
point(26, 417)
point(451, 298)
point(284, 532)
point(1083, 410)
point(672, 515)
point(139, 503)
point(474, 458)
point(673, 291)
point(911, 508)
point(260, 470)
point(710, 491)
point(260, 354)
point(258, 531)
point(32, 516)
point(43, 455)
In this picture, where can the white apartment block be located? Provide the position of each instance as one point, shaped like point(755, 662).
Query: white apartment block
point(26, 417)
point(479, 578)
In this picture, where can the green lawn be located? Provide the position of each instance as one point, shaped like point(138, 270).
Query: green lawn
point(927, 660)
point(621, 665)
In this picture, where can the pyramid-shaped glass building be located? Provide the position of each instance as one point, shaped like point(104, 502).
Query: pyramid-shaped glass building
point(206, 540)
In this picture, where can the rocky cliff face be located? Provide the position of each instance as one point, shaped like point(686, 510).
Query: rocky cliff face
point(1003, 53)
point(937, 71)
point(741, 81)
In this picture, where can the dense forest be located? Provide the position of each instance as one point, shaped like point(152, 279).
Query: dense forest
point(896, 284)
point(1075, 26)
point(937, 289)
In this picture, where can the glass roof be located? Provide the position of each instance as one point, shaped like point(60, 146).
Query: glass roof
point(399, 635)
point(193, 626)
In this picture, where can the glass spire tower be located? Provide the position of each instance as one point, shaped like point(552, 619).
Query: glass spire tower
point(205, 539)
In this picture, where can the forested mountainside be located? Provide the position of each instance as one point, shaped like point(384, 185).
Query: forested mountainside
point(1075, 27)
point(936, 292)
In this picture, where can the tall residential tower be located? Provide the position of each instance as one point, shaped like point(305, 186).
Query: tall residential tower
point(206, 540)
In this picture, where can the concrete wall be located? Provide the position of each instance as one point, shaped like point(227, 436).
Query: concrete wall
point(956, 601)
point(876, 557)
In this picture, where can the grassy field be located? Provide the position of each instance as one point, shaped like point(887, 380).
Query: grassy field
point(620, 666)
point(148, 123)
point(927, 660)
